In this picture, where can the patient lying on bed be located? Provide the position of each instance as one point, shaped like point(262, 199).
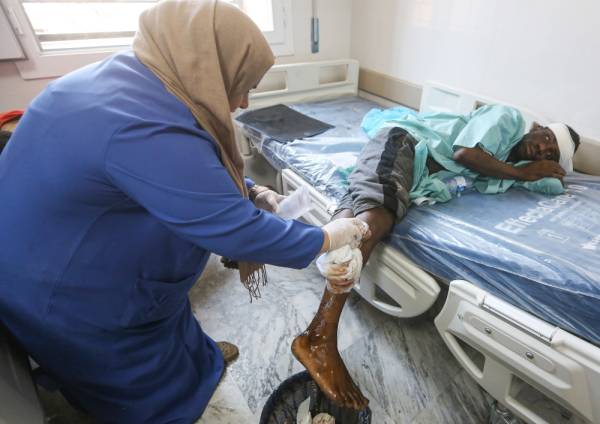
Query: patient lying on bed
point(404, 163)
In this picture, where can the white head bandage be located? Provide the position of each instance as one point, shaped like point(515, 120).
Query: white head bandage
point(566, 145)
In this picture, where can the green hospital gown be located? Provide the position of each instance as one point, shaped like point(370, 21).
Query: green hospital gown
point(494, 128)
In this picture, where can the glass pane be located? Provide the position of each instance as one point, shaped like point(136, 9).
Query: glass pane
point(69, 25)
point(261, 12)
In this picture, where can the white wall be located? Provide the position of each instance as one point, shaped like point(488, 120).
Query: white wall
point(540, 54)
point(335, 44)
point(16, 93)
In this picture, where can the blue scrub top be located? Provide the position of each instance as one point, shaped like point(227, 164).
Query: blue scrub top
point(112, 198)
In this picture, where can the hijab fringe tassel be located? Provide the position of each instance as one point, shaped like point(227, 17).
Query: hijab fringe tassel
point(253, 277)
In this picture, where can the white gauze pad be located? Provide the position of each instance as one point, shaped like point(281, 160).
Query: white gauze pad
point(332, 264)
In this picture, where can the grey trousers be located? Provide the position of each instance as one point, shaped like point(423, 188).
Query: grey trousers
point(383, 175)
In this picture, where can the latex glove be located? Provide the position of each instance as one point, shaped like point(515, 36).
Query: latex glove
point(346, 231)
point(268, 200)
point(341, 268)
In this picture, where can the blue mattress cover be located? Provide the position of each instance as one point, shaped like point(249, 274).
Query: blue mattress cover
point(537, 252)
point(323, 160)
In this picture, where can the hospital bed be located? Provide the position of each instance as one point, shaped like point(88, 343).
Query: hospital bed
point(522, 312)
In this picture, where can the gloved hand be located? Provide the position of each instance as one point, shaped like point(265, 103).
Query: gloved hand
point(268, 200)
point(341, 268)
point(346, 231)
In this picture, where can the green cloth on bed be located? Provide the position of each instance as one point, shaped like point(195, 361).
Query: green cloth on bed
point(494, 128)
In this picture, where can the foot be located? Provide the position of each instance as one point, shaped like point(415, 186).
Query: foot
point(324, 364)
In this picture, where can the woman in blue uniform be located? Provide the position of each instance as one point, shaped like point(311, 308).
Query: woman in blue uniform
point(117, 184)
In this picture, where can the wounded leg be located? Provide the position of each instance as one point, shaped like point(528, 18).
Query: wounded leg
point(316, 348)
point(378, 194)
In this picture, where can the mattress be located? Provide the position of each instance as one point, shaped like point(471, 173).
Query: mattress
point(323, 160)
point(537, 252)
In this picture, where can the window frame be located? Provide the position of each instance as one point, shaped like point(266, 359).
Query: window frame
point(51, 64)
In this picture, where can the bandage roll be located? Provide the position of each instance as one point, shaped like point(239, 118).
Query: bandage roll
point(341, 264)
point(566, 145)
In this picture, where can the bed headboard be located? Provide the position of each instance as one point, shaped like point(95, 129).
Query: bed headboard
point(438, 97)
point(297, 82)
point(441, 98)
point(300, 82)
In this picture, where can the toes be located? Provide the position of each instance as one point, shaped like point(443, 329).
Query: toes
point(355, 404)
point(350, 395)
point(335, 398)
point(349, 399)
point(337, 395)
point(362, 401)
point(345, 400)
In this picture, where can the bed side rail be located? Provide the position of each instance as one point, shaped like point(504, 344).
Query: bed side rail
point(390, 281)
point(520, 360)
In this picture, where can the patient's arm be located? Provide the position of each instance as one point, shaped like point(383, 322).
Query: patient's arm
point(316, 347)
point(481, 162)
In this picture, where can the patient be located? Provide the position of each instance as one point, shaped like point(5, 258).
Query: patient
point(405, 163)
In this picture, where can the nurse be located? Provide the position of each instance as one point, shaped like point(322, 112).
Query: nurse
point(119, 181)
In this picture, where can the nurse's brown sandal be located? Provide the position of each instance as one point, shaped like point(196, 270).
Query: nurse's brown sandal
point(229, 350)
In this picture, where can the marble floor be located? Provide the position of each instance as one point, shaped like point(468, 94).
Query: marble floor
point(402, 366)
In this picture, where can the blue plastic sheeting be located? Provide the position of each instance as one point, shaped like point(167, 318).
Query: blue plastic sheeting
point(537, 252)
point(325, 160)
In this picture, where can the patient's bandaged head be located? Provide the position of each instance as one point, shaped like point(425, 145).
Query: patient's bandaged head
point(568, 141)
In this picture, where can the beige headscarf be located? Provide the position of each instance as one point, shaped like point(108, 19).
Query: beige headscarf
point(207, 52)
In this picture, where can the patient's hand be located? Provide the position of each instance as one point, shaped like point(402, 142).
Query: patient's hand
point(541, 169)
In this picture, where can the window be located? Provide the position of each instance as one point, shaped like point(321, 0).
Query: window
point(261, 12)
point(61, 35)
point(273, 17)
point(66, 25)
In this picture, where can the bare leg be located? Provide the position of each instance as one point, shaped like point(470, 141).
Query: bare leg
point(316, 347)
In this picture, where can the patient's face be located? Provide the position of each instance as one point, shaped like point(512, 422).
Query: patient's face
point(538, 144)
